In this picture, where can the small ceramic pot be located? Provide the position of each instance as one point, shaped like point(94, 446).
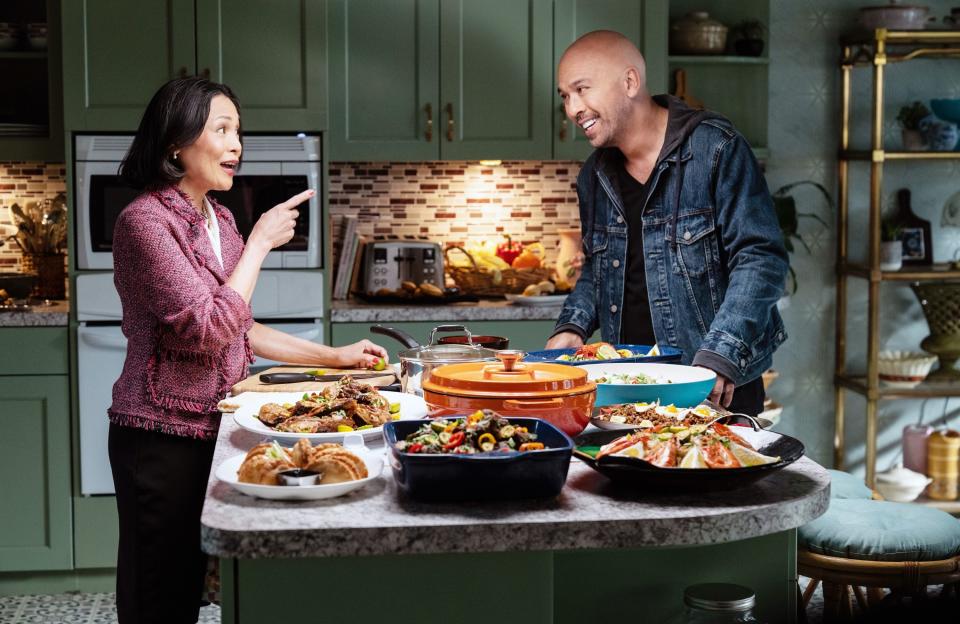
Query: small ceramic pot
point(942, 136)
point(748, 47)
point(901, 485)
point(696, 33)
point(913, 141)
point(891, 255)
point(894, 17)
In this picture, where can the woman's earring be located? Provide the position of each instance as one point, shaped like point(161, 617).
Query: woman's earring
point(176, 155)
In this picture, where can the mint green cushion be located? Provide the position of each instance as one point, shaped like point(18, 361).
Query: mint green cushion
point(845, 485)
point(882, 531)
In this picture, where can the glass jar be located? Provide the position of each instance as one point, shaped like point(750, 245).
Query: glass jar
point(718, 603)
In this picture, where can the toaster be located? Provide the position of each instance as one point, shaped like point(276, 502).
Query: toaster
point(389, 263)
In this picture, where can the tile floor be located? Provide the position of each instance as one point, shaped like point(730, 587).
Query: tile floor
point(74, 608)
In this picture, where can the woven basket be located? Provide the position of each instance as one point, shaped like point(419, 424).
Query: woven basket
point(480, 281)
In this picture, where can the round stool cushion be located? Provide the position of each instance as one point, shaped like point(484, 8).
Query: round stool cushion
point(882, 531)
point(845, 485)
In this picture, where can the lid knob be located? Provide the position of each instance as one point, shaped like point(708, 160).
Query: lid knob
point(510, 358)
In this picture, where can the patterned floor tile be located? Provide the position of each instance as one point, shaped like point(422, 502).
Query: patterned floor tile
point(73, 608)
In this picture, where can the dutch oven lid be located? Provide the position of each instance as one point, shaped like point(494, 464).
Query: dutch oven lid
point(509, 378)
point(449, 353)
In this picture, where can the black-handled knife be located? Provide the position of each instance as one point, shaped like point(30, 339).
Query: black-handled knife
point(285, 378)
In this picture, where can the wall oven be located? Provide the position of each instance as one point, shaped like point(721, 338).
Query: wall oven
point(274, 168)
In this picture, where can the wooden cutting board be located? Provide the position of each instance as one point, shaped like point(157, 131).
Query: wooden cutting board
point(252, 383)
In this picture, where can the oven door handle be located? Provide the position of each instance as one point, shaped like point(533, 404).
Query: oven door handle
point(104, 342)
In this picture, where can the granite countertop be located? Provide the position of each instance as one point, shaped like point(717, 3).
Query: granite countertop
point(353, 311)
point(55, 315)
point(591, 512)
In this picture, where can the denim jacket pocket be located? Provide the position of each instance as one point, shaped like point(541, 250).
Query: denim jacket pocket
point(695, 243)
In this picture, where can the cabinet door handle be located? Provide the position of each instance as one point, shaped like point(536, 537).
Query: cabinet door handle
point(564, 123)
point(182, 72)
point(205, 74)
point(450, 121)
point(428, 133)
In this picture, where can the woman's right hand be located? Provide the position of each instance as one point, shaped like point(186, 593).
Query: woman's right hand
point(276, 226)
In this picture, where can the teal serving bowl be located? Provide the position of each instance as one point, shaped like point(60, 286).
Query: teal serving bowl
point(947, 109)
point(683, 386)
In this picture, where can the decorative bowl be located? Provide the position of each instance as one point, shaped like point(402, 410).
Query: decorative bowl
point(894, 17)
point(697, 33)
point(683, 386)
point(901, 485)
point(904, 369)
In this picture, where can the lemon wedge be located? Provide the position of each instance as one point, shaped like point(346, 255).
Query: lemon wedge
point(655, 351)
point(693, 458)
point(749, 457)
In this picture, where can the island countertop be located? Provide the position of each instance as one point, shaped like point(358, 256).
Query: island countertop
point(56, 314)
point(590, 513)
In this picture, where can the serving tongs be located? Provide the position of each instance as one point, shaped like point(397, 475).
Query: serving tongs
point(727, 417)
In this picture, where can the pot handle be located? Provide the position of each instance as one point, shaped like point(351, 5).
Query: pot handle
point(397, 334)
point(450, 328)
point(532, 404)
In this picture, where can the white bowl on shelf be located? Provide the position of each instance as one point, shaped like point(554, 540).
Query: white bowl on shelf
point(901, 485)
point(904, 369)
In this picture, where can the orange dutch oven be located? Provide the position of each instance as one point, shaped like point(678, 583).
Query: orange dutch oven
point(557, 393)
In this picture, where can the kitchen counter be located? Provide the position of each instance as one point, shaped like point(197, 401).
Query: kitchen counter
point(353, 311)
point(569, 558)
point(55, 315)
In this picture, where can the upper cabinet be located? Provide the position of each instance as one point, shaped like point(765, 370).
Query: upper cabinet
point(428, 80)
point(271, 54)
point(644, 22)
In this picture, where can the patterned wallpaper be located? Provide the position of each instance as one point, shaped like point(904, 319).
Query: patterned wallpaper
point(19, 182)
point(803, 133)
point(457, 201)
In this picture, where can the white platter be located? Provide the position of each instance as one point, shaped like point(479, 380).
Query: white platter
point(227, 472)
point(411, 408)
point(539, 300)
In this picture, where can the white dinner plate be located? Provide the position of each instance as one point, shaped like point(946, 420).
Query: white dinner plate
point(538, 300)
point(227, 472)
point(411, 408)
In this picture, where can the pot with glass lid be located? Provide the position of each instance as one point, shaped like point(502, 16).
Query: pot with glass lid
point(417, 361)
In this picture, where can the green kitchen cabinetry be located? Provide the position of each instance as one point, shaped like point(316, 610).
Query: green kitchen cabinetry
point(429, 80)
point(526, 335)
point(35, 517)
point(117, 54)
point(644, 22)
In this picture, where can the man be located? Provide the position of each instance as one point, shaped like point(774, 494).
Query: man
point(681, 243)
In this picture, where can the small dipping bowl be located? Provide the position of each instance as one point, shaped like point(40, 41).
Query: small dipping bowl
point(299, 476)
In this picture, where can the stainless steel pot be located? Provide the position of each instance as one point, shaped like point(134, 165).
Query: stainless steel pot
point(416, 362)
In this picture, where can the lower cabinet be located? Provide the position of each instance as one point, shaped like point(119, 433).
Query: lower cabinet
point(35, 513)
point(526, 335)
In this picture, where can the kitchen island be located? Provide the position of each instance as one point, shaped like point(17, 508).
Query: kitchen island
point(598, 552)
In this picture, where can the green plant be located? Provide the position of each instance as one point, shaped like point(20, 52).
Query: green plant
point(41, 225)
point(785, 205)
point(910, 116)
point(749, 29)
point(889, 231)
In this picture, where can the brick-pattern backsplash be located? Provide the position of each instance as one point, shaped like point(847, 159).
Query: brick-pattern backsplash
point(456, 201)
point(21, 182)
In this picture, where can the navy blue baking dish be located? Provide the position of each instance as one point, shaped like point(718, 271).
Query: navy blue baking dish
point(482, 476)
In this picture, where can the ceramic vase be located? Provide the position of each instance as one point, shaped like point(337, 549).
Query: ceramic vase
point(941, 307)
point(891, 255)
point(51, 275)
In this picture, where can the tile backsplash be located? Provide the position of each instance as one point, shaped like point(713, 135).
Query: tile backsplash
point(21, 182)
point(456, 201)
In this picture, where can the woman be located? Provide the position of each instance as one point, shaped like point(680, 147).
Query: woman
point(185, 279)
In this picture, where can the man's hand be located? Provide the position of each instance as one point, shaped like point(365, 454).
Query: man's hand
point(722, 393)
point(565, 340)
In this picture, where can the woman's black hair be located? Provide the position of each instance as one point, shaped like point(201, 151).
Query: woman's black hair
point(174, 118)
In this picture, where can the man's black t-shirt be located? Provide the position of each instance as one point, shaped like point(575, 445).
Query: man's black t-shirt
point(636, 325)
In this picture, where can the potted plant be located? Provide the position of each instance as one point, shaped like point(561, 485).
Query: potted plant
point(911, 133)
point(891, 248)
point(748, 38)
point(42, 236)
point(785, 205)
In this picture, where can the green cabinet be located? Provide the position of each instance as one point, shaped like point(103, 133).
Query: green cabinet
point(526, 335)
point(428, 80)
point(644, 22)
point(270, 53)
point(35, 517)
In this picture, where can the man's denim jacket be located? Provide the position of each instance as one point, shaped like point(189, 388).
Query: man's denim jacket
point(713, 252)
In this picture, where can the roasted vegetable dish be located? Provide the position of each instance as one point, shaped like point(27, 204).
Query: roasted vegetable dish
point(598, 351)
point(651, 415)
point(344, 406)
point(484, 431)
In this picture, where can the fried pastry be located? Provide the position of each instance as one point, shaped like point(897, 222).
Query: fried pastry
point(263, 463)
point(333, 469)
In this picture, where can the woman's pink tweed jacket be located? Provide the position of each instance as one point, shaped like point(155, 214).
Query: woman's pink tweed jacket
point(186, 330)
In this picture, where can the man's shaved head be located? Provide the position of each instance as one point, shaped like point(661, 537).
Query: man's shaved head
point(612, 50)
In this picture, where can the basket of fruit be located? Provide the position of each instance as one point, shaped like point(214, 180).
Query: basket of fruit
point(496, 271)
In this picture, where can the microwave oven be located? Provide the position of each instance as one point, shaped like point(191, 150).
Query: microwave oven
point(274, 168)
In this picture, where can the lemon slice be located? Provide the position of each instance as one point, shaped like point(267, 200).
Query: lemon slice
point(693, 458)
point(655, 351)
point(749, 457)
point(635, 451)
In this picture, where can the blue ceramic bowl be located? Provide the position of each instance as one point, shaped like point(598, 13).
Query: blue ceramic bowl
point(667, 354)
point(482, 476)
point(688, 387)
point(947, 109)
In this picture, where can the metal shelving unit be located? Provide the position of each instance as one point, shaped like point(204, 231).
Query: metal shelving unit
point(884, 47)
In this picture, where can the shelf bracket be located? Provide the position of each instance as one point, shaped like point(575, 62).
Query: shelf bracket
point(880, 59)
point(877, 156)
